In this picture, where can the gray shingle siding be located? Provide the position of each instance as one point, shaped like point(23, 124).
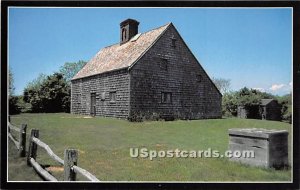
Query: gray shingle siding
point(117, 81)
point(191, 98)
point(139, 89)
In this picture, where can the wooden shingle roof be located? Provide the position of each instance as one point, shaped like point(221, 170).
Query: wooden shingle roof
point(118, 56)
point(265, 101)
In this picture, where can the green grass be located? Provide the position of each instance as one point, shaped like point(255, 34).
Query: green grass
point(104, 143)
point(17, 167)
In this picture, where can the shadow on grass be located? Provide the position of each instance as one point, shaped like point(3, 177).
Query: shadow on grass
point(18, 170)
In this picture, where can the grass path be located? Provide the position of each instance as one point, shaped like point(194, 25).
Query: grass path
point(104, 143)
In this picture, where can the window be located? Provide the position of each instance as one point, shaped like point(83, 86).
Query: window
point(78, 98)
point(166, 97)
point(123, 34)
point(199, 78)
point(112, 96)
point(173, 41)
point(102, 96)
point(164, 64)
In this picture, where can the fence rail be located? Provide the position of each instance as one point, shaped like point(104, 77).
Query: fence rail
point(14, 141)
point(48, 150)
point(77, 169)
point(70, 155)
point(85, 173)
point(69, 162)
point(14, 128)
point(21, 143)
point(41, 171)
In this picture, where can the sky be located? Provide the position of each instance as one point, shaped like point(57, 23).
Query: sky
point(250, 46)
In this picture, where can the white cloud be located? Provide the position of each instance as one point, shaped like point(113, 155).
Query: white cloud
point(260, 89)
point(276, 87)
point(291, 84)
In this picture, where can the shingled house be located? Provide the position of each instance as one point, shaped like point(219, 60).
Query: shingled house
point(147, 75)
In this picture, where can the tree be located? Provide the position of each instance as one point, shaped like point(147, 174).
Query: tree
point(223, 85)
point(70, 69)
point(13, 100)
point(51, 95)
point(286, 103)
point(11, 87)
point(32, 90)
point(229, 104)
point(243, 97)
point(13, 105)
point(249, 97)
point(36, 83)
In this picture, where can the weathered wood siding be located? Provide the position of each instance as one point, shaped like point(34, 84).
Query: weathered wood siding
point(117, 81)
point(194, 96)
point(269, 147)
point(273, 111)
point(249, 112)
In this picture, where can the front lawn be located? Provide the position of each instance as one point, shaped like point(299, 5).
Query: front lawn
point(104, 143)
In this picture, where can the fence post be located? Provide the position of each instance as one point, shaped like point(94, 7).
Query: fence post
point(32, 146)
point(22, 141)
point(70, 159)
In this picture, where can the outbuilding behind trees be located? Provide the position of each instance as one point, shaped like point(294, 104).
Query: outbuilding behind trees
point(268, 109)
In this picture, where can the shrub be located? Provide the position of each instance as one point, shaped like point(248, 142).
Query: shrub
point(13, 105)
point(286, 109)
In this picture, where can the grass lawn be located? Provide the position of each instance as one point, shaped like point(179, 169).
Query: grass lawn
point(104, 143)
point(18, 169)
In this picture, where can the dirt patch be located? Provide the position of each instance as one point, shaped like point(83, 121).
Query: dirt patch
point(55, 169)
point(85, 117)
point(159, 145)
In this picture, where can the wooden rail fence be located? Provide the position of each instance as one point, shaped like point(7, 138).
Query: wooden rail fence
point(21, 144)
point(70, 155)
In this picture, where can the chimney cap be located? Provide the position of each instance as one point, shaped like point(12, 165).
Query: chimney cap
point(129, 20)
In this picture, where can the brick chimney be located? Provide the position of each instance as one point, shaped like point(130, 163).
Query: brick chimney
point(128, 29)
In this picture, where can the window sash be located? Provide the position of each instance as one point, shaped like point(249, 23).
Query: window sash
point(112, 96)
point(166, 97)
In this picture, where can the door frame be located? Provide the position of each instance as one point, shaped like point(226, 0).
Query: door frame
point(93, 104)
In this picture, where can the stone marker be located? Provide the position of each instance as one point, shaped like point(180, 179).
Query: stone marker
point(270, 147)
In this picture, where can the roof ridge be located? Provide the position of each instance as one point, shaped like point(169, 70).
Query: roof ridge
point(140, 33)
point(157, 27)
point(144, 46)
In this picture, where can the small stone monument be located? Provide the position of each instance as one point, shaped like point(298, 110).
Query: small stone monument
point(270, 147)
